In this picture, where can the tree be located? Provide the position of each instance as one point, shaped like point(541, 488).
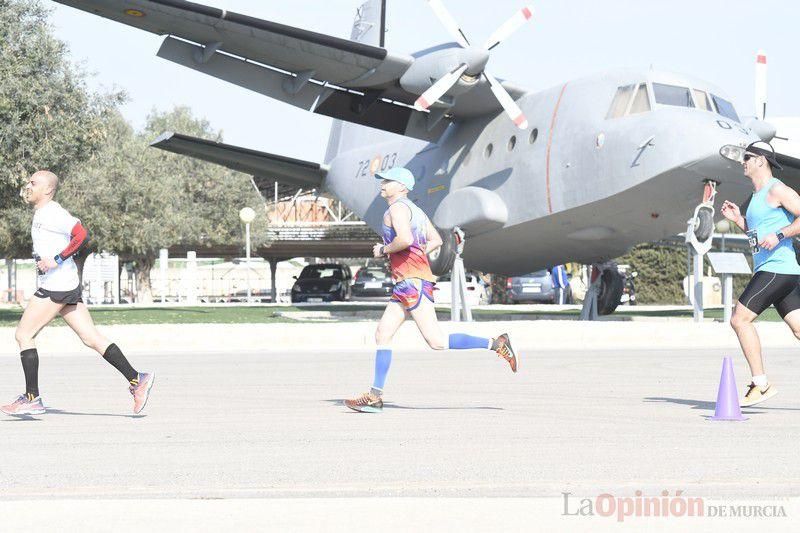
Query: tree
point(136, 199)
point(48, 118)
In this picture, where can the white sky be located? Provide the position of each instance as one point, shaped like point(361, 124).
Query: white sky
point(713, 40)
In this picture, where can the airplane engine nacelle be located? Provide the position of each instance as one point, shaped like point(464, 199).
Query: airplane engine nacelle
point(429, 67)
point(473, 209)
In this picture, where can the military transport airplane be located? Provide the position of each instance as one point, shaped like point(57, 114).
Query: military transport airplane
point(578, 172)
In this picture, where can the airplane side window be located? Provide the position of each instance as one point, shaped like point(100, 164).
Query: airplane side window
point(620, 102)
point(534, 134)
point(672, 95)
point(641, 103)
point(725, 108)
point(512, 142)
point(488, 151)
point(701, 98)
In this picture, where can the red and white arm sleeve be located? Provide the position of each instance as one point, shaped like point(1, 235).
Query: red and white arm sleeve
point(78, 237)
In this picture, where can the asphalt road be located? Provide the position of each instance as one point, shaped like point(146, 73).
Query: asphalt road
point(226, 425)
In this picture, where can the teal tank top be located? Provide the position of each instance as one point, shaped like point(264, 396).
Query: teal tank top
point(766, 219)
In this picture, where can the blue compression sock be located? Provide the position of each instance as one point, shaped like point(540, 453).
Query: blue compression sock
point(460, 341)
point(383, 360)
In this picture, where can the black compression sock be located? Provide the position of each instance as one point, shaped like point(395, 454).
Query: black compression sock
point(30, 366)
point(114, 356)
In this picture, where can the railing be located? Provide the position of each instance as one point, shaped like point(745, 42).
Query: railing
point(304, 206)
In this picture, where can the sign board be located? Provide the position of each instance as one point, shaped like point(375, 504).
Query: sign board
point(729, 263)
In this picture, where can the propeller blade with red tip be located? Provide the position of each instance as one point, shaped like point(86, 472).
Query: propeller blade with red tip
point(761, 84)
point(510, 26)
point(441, 86)
point(512, 109)
point(449, 22)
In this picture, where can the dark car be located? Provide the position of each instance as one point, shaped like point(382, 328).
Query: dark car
point(322, 283)
point(372, 281)
point(536, 287)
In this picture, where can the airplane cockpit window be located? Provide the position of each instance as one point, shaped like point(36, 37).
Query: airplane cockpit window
point(620, 102)
point(672, 95)
point(629, 99)
point(641, 102)
point(725, 108)
point(701, 99)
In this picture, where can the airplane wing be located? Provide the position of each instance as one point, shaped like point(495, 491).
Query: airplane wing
point(339, 78)
point(266, 169)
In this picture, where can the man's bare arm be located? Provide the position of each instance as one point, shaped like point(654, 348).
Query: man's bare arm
point(433, 238)
point(789, 200)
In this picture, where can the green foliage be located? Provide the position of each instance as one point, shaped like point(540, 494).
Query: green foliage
point(48, 118)
point(136, 200)
point(661, 270)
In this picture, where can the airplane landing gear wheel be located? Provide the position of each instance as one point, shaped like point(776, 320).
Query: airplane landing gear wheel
point(704, 224)
point(441, 260)
point(612, 284)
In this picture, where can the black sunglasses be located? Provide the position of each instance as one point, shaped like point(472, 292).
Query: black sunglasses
point(748, 157)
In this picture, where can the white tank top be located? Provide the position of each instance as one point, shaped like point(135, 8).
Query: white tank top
point(51, 233)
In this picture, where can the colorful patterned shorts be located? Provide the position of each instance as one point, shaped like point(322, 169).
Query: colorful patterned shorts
point(409, 292)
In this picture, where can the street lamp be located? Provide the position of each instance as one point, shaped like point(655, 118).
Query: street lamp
point(723, 227)
point(246, 215)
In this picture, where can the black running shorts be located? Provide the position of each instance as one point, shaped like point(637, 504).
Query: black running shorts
point(62, 297)
point(769, 288)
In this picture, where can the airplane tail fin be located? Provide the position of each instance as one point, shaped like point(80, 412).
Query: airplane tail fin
point(369, 27)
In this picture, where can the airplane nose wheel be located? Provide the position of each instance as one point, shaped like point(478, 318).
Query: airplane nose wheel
point(699, 238)
point(704, 223)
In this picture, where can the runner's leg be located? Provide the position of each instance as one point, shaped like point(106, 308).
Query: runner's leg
point(38, 313)
point(78, 318)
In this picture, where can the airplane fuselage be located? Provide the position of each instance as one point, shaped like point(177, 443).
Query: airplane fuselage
point(577, 185)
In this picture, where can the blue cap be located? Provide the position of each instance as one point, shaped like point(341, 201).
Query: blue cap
point(398, 174)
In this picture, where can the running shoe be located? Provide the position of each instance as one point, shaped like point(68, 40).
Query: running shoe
point(756, 394)
point(502, 346)
point(24, 406)
point(366, 403)
point(141, 391)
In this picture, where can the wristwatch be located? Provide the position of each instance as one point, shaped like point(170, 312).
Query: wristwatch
point(780, 236)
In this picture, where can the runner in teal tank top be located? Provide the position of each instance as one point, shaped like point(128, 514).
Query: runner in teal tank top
point(770, 221)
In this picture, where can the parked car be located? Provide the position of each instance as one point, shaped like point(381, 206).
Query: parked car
point(476, 291)
point(372, 281)
point(536, 287)
point(322, 283)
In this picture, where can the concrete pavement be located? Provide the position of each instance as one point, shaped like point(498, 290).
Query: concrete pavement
point(269, 424)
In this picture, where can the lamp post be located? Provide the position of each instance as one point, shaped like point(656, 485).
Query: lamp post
point(246, 214)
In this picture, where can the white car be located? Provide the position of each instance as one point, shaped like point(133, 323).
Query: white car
point(476, 292)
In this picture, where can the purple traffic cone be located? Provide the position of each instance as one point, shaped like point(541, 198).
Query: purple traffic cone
point(727, 398)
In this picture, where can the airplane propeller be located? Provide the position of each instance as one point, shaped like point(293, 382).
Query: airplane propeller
point(480, 55)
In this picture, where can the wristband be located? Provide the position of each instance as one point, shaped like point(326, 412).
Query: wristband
point(58, 259)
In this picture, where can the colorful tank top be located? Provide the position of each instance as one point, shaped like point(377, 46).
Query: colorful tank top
point(765, 219)
point(411, 262)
